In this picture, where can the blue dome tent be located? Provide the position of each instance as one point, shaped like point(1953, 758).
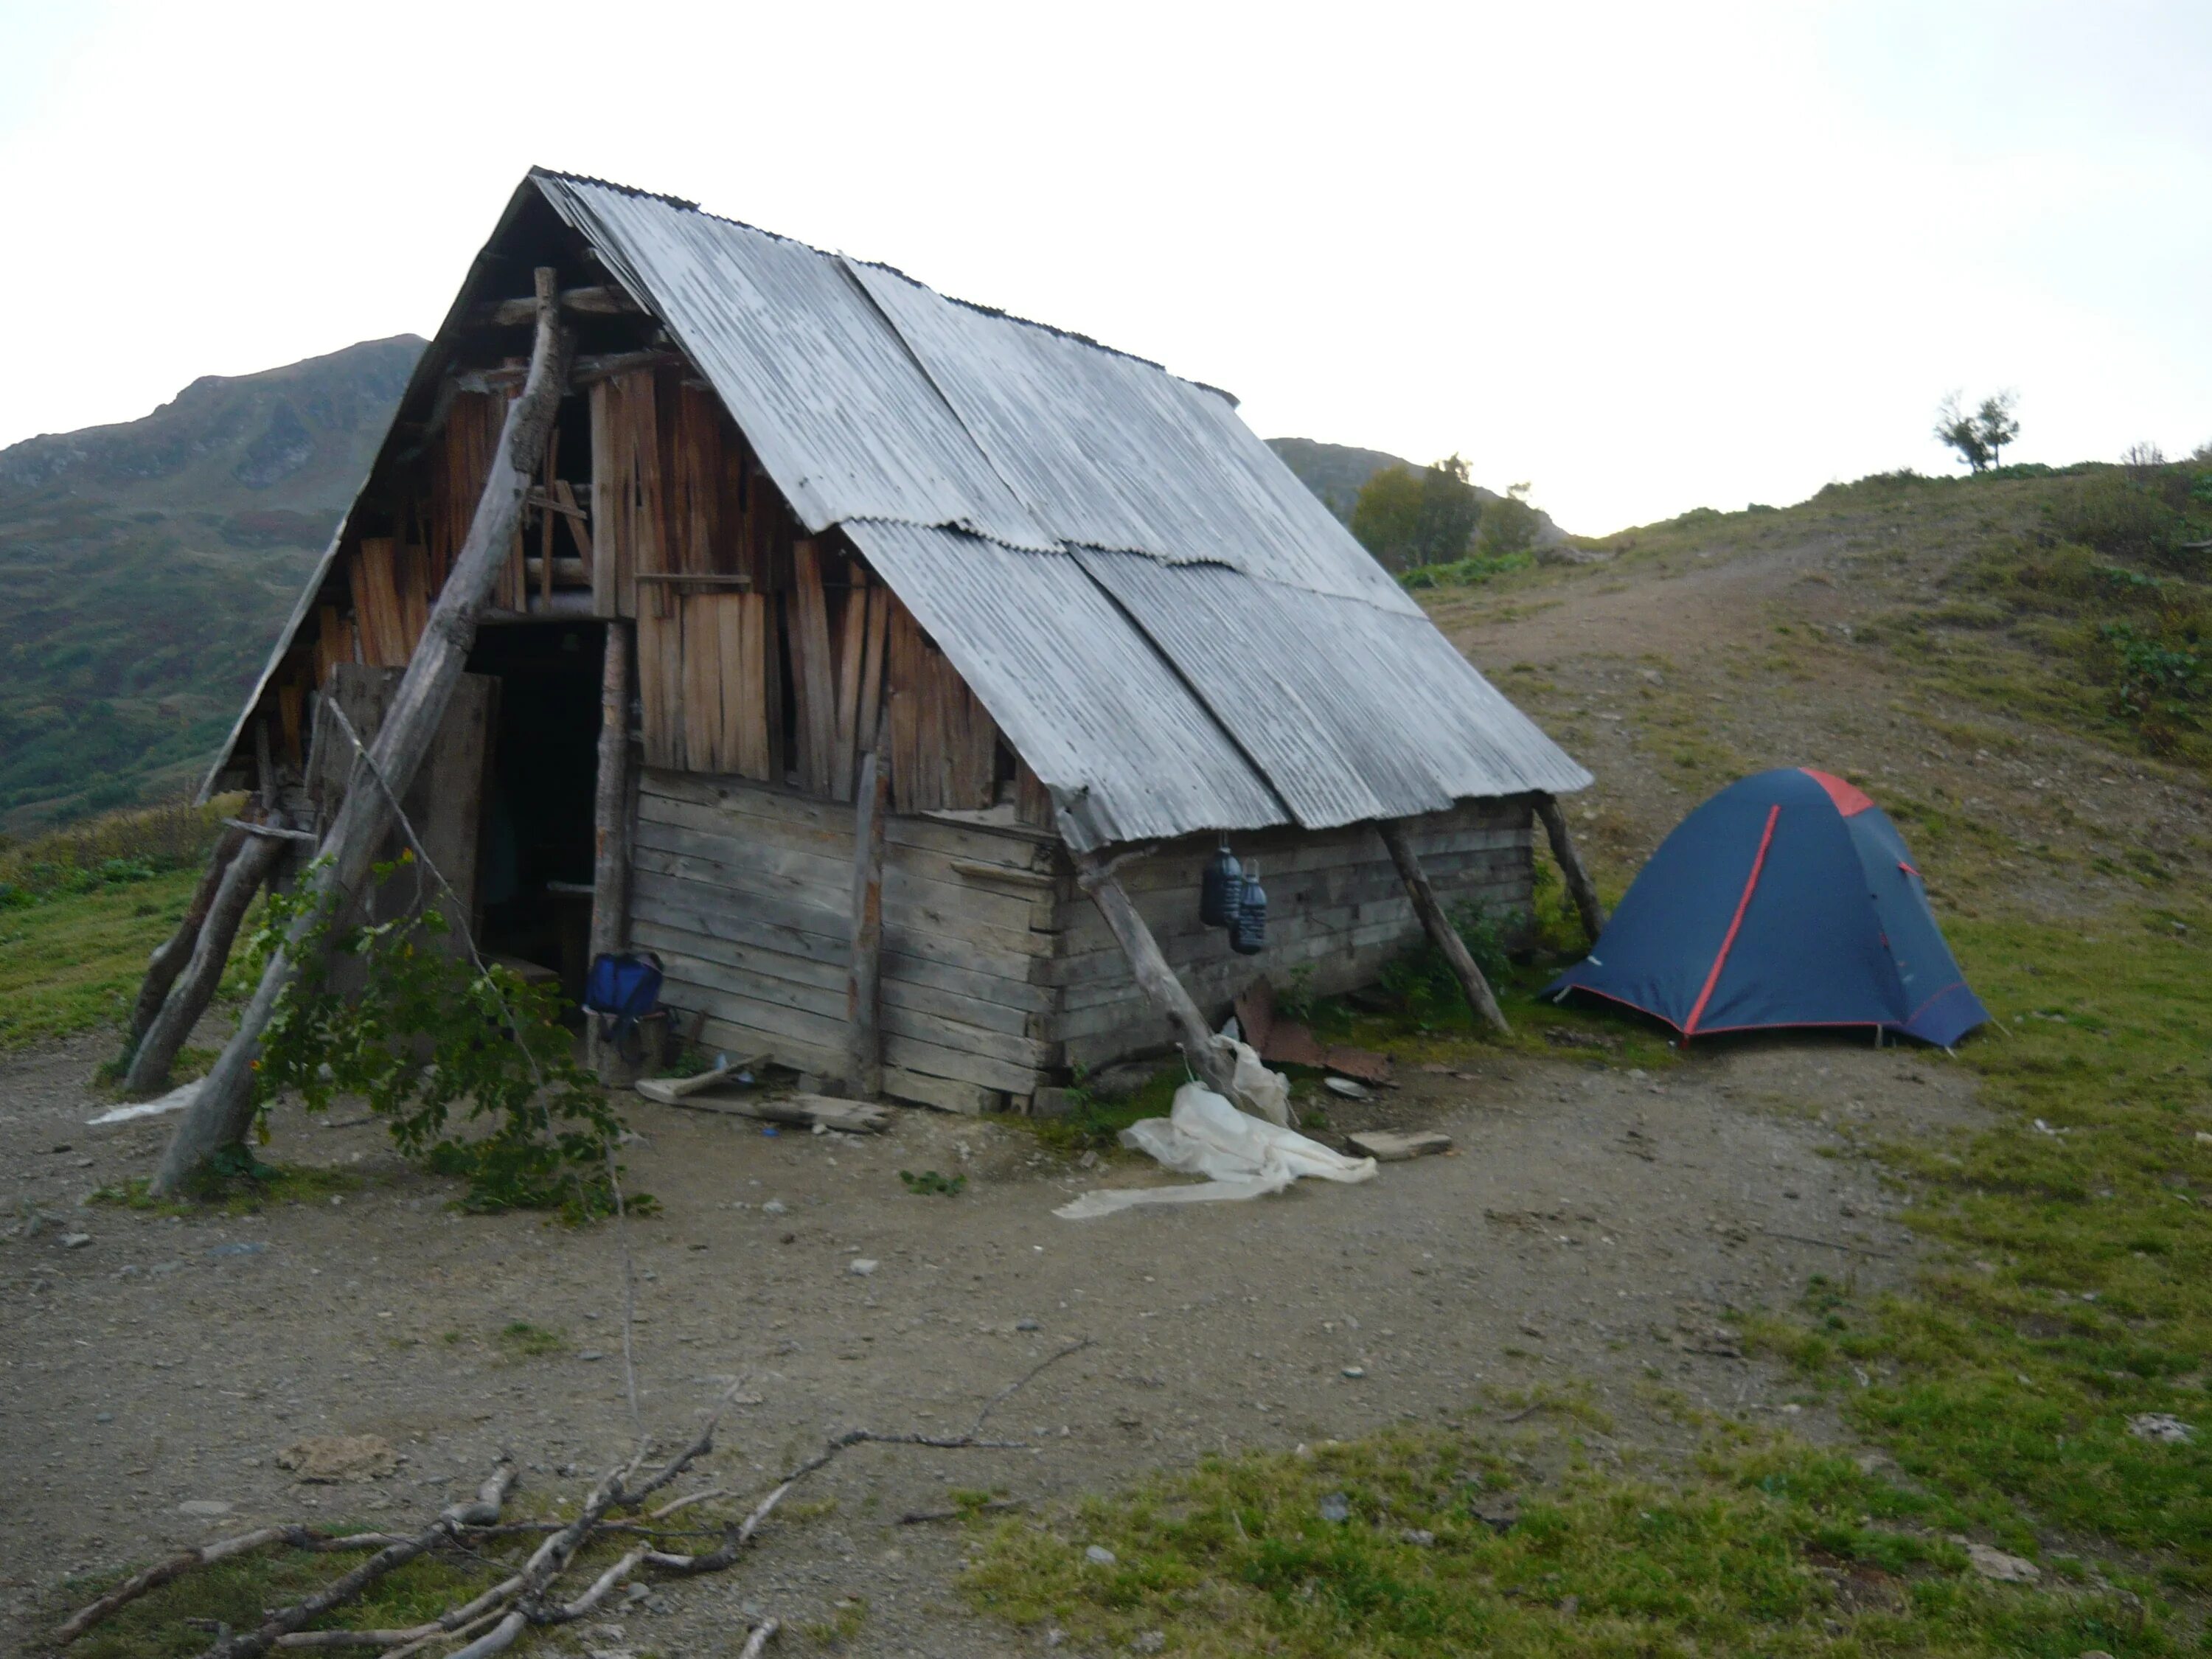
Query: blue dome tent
point(1787, 899)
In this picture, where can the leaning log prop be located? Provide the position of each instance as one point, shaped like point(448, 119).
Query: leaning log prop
point(1579, 885)
point(222, 1112)
point(1442, 934)
point(164, 1035)
point(169, 961)
point(1209, 1056)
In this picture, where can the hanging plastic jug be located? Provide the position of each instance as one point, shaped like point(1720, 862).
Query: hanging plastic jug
point(1247, 934)
point(1221, 889)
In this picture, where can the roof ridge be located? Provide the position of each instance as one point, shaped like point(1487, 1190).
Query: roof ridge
point(684, 206)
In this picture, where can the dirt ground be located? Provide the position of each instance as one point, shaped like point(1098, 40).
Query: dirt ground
point(1594, 1226)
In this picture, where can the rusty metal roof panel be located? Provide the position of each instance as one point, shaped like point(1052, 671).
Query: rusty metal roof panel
point(1101, 717)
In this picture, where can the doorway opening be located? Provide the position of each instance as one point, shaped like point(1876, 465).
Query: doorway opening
point(537, 850)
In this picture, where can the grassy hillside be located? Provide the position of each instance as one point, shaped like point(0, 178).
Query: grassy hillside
point(144, 566)
point(1335, 472)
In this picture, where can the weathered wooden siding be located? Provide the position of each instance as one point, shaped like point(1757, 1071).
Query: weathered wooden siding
point(744, 891)
point(1334, 901)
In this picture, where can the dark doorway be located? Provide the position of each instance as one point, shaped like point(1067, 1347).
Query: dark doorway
point(537, 852)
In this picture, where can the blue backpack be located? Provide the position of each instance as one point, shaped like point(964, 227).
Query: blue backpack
point(621, 990)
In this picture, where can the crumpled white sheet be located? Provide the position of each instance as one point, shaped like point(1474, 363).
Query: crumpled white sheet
point(1240, 1155)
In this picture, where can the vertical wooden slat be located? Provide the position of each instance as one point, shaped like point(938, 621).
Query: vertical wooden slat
point(376, 601)
point(771, 641)
point(411, 577)
point(812, 678)
point(852, 643)
point(659, 638)
point(702, 682)
point(870, 707)
point(606, 541)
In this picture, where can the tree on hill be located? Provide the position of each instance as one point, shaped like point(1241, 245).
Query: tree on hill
point(1407, 519)
point(1979, 437)
point(1510, 523)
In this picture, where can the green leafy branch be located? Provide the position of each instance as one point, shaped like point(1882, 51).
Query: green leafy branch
point(429, 1037)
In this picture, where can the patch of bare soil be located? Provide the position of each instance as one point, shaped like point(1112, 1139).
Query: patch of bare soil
point(1593, 1228)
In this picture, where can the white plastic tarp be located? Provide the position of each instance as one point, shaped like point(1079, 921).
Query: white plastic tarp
point(1240, 1155)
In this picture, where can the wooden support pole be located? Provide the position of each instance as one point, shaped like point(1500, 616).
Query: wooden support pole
point(169, 959)
point(222, 1111)
point(1440, 930)
point(1579, 886)
point(864, 1032)
point(181, 1010)
point(1208, 1057)
point(610, 816)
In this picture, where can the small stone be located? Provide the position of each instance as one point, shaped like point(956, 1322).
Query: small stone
point(2004, 1568)
point(103, 1417)
point(637, 1592)
point(1053, 1636)
point(239, 1246)
point(76, 1241)
point(207, 1509)
point(1027, 1325)
point(1389, 1146)
point(1336, 1507)
point(1149, 1641)
point(860, 1267)
point(1498, 1511)
point(1346, 1087)
point(591, 1354)
point(2162, 1426)
point(1420, 1537)
point(776, 1206)
point(1098, 1555)
point(1054, 1102)
point(1355, 1372)
point(2204, 1138)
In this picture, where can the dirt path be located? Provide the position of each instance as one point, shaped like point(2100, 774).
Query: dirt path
point(1593, 1228)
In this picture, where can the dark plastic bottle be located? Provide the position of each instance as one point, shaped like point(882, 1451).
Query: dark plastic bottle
point(1248, 933)
point(1221, 890)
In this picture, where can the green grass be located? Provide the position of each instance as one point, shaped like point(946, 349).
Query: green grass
point(2073, 1287)
point(520, 1339)
point(1769, 1549)
point(72, 962)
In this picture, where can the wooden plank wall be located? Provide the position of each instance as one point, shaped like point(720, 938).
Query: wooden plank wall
point(1334, 901)
point(745, 892)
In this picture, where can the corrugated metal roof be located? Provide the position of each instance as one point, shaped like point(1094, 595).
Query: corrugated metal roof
point(1351, 712)
point(1170, 628)
point(1100, 717)
point(1239, 602)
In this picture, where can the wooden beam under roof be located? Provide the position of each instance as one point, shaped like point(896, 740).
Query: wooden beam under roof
point(607, 302)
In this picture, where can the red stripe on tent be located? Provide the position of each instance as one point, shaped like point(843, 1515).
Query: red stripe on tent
point(1690, 1026)
point(1851, 800)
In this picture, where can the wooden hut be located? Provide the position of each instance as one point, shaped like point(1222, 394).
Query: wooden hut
point(798, 509)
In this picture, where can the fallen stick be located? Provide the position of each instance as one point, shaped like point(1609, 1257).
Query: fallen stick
point(759, 1638)
point(801, 1111)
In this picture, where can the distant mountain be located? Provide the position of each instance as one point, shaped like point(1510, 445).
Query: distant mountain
point(144, 566)
point(1334, 473)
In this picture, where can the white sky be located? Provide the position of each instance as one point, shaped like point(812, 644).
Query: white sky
point(1649, 257)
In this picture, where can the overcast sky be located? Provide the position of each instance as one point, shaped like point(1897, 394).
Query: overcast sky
point(1646, 256)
